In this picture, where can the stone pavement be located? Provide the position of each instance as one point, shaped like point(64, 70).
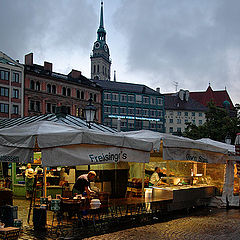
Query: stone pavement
point(196, 224)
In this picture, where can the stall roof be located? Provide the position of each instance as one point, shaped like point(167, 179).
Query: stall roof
point(57, 118)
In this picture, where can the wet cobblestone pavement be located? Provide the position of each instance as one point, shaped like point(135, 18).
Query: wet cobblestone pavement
point(197, 224)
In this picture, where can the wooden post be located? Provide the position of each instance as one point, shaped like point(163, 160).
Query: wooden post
point(143, 176)
point(44, 182)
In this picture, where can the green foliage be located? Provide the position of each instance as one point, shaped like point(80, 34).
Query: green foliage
point(217, 126)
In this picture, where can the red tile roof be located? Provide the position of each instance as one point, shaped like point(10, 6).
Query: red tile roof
point(218, 97)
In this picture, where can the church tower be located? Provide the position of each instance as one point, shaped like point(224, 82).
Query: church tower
point(100, 61)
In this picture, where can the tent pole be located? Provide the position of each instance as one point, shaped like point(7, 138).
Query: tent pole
point(143, 176)
point(44, 182)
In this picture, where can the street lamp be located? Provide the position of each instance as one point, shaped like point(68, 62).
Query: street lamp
point(228, 139)
point(90, 111)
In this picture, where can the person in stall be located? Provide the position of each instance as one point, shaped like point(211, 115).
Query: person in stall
point(29, 180)
point(82, 185)
point(155, 178)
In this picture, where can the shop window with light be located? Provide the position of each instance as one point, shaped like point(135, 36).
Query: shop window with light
point(4, 108)
point(48, 88)
point(15, 109)
point(15, 93)
point(131, 99)
point(159, 101)
point(115, 97)
point(64, 91)
point(15, 77)
point(54, 89)
point(171, 129)
point(32, 85)
point(107, 96)
point(38, 86)
point(69, 92)
point(4, 91)
point(123, 97)
point(123, 110)
point(82, 95)
point(131, 111)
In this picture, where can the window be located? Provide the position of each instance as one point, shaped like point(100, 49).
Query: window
point(54, 89)
point(31, 105)
point(185, 114)
point(159, 113)
point(82, 94)
point(171, 113)
point(94, 68)
point(64, 91)
point(179, 113)
point(4, 75)
point(32, 85)
point(38, 87)
point(145, 112)
point(200, 114)
point(193, 114)
point(95, 97)
point(15, 109)
point(138, 98)
point(123, 110)
point(131, 124)
point(68, 110)
point(4, 92)
point(69, 92)
point(15, 77)
point(145, 124)
point(114, 109)
point(54, 108)
point(4, 108)
point(91, 95)
point(123, 123)
point(153, 100)
point(37, 106)
point(98, 68)
point(107, 109)
point(123, 97)
point(145, 100)
point(138, 111)
point(186, 121)
point(179, 130)
point(178, 121)
point(171, 129)
point(152, 113)
point(170, 120)
point(200, 122)
point(107, 96)
point(15, 93)
point(131, 98)
point(48, 108)
point(193, 121)
point(78, 94)
point(115, 97)
point(48, 88)
point(131, 111)
point(159, 101)
point(107, 122)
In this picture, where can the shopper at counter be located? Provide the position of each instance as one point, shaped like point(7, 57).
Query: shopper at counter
point(29, 180)
point(83, 183)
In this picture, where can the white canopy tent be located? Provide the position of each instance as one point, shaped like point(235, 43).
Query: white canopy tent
point(62, 144)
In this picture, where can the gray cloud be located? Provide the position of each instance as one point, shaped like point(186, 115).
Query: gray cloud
point(189, 40)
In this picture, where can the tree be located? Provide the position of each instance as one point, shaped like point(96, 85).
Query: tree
point(217, 126)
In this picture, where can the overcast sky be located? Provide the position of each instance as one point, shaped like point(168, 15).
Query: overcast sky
point(152, 42)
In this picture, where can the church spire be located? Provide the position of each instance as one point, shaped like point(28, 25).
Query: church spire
point(101, 31)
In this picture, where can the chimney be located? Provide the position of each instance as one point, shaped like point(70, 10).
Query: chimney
point(29, 59)
point(75, 73)
point(48, 66)
point(158, 89)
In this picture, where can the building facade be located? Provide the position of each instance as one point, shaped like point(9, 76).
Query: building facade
point(181, 109)
point(11, 87)
point(46, 90)
point(100, 57)
point(221, 98)
point(131, 106)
